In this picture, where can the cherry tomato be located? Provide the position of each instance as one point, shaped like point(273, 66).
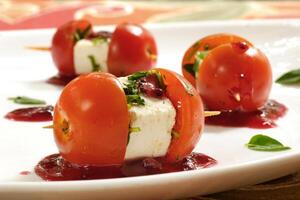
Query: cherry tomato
point(91, 121)
point(132, 49)
point(234, 76)
point(189, 115)
point(63, 44)
point(206, 44)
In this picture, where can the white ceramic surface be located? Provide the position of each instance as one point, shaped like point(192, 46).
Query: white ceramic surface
point(22, 145)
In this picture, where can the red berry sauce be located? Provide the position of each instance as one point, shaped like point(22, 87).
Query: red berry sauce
point(31, 114)
point(55, 168)
point(60, 80)
point(263, 118)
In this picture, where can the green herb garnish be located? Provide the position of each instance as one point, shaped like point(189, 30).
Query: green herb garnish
point(138, 75)
point(193, 68)
point(265, 143)
point(26, 100)
point(97, 41)
point(134, 129)
point(131, 89)
point(96, 66)
point(81, 34)
point(135, 99)
point(291, 77)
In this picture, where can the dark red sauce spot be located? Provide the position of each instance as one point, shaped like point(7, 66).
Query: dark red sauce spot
point(25, 173)
point(60, 80)
point(55, 168)
point(263, 118)
point(100, 34)
point(150, 86)
point(31, 114)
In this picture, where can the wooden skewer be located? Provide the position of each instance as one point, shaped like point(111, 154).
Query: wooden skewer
point(206, 114)
point(37, 48)
point(49, 126)
point(211, 113)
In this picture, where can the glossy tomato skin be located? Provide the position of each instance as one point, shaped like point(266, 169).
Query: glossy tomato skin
point(207, 43)
point(63, 44)
point(132, 48)
point(91, 121)
point(234, 76)
point(189, 115)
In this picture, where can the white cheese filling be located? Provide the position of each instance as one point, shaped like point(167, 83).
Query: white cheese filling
point(155, 120)
point(86, 50)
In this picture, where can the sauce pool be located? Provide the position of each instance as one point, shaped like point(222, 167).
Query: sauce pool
point(60, 80)
point(263, 118)
point(31, 114)
point(55, 168)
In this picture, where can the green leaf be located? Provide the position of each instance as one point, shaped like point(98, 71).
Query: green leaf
point(265, 143)
point(26, 100)
point(98, 41)
point(135, 99)
point(81, 34)
point(136, 76)
point(291, 77)
point(193, 68)
point(190, 69)
point(96, 66)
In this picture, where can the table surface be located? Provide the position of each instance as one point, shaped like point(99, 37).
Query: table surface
point(32, 14)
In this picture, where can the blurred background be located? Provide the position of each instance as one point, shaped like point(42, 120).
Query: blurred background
point(31, 14)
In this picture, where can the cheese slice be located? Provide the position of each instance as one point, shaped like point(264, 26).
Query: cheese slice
point(155, 121)
point(85, 50)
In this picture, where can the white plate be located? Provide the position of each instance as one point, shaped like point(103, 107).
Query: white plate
point(22, 145)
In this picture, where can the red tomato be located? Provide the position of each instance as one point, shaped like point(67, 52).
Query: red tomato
point(132, 49)
point(63, 44)
point(234, 76)
point(189, 115)
point(206, 44)
point(90, 125)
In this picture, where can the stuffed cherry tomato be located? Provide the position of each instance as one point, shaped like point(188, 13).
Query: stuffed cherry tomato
point(199, 49)
point(233, 76)
point(77, 49)
point(103, 120)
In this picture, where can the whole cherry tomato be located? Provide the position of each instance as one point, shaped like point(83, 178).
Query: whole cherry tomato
point(205, 45)
point(189, 115)
point(132, 49)
point(63, 43)
point(91, 120)
point(234, 76)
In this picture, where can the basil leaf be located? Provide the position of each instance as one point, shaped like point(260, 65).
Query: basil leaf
point(190, 69)
point(26, 100)
point(193, 68)
point(136, 76)
point(96, 66)
point(81, 34)
point(265, 143)
point(98, 41)
point(290, 77)
point(135, 99)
